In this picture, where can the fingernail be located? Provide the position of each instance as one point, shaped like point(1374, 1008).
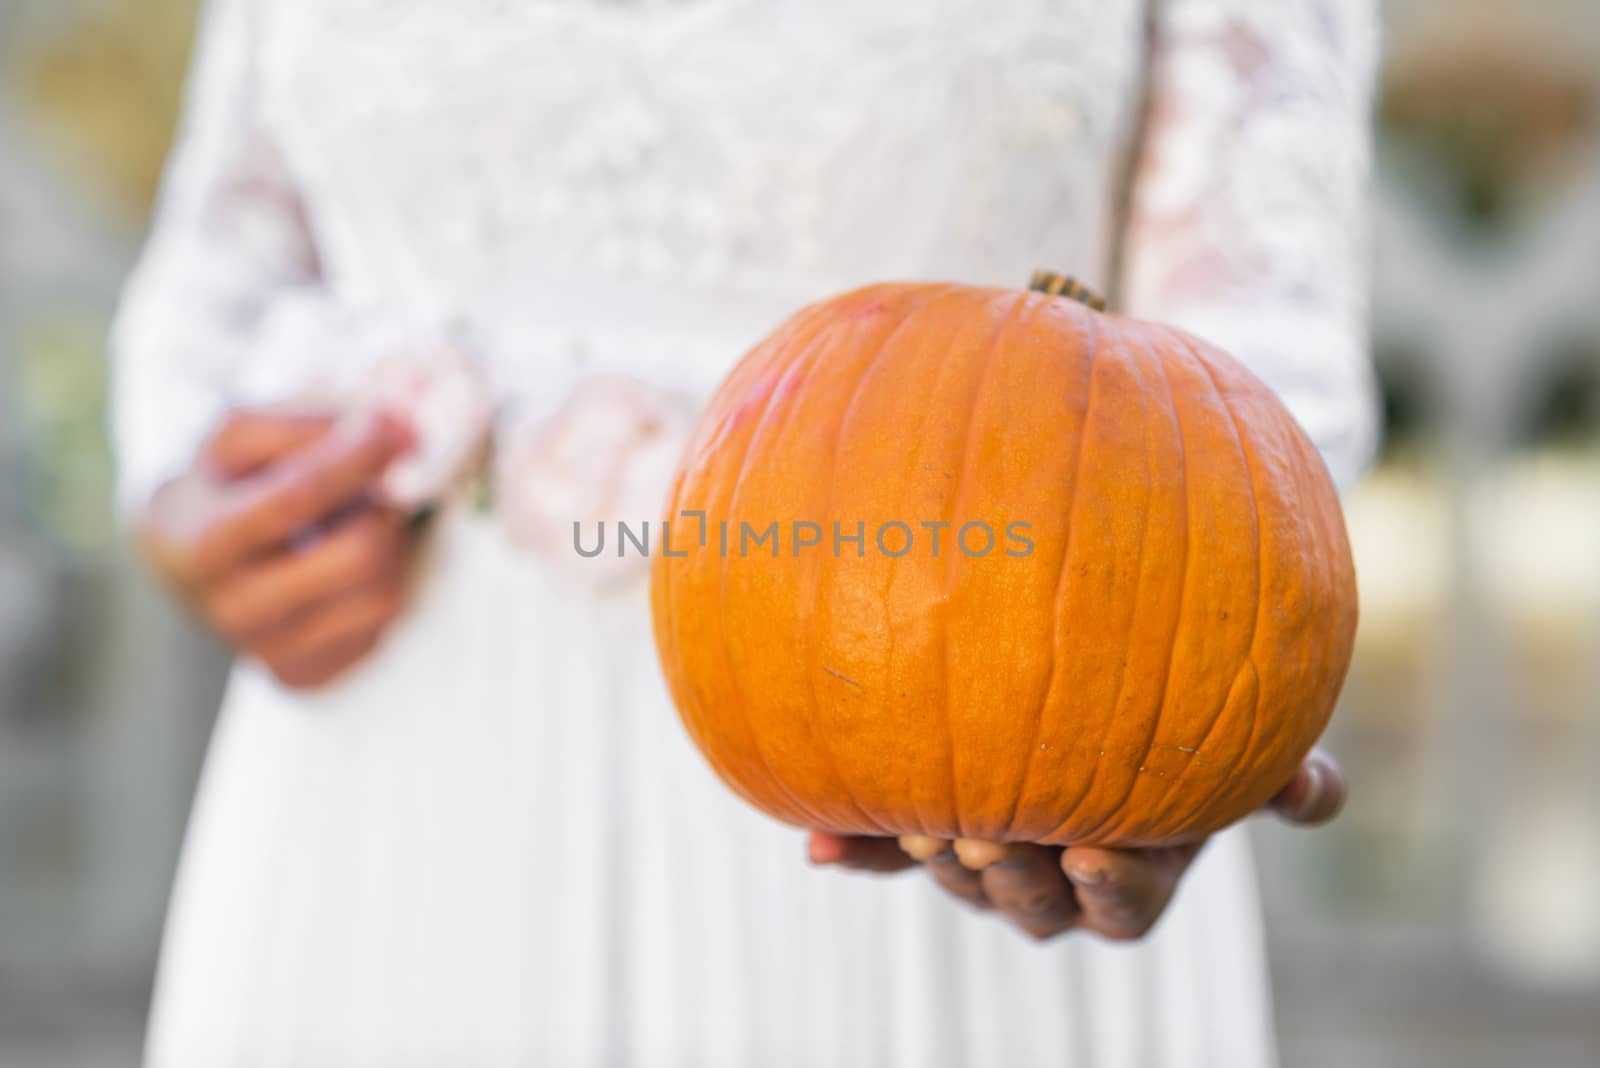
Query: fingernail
point(1086, 876)
point(923, 847)
point(977, 854)
point(823, 853)
point(1316, 787)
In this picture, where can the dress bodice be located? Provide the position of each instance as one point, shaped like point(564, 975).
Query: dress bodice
point(462, 153)
point(649, 186)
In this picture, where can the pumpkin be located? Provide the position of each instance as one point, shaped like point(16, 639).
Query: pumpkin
point(1152, 640)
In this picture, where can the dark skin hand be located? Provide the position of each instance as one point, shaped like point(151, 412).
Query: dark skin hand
point(1045, 891)
point(272, 540)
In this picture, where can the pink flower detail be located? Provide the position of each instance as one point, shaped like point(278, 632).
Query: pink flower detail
point(606, 456)
point(441, 395)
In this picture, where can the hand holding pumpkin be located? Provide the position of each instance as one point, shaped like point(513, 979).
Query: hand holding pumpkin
point(1045, 891)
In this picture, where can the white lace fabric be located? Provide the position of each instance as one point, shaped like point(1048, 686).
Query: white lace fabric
point(1248, 219)
point(644, 189)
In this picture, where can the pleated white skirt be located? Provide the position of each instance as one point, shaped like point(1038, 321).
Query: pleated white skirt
point(494, 846)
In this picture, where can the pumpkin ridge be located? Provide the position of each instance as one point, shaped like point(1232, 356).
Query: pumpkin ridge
point(1202, 815)
point(1020, 302)
point(1156, 813)
point(1234, 795)
point(818, 743)
point(707, 435)
point(812, 662)
point(888, 583)
point(1133, 617)
point(691, 711)
point(1332, 532)
point(1177, 619)
point(1090, 326)
point(800, 362)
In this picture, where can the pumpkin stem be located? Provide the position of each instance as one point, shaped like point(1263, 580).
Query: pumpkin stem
point(1064, 285)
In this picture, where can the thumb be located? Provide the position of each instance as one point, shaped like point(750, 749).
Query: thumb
point(1315, 794)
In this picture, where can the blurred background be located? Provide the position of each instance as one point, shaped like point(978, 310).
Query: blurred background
point(1452, 918)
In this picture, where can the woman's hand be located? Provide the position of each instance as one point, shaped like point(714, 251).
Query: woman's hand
point(1047, 890)
point(272, 539)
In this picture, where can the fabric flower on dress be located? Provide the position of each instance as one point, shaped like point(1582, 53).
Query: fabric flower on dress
point(438, 391)
point(604, 458)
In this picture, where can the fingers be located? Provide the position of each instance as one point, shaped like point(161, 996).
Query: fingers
point(271, 539)
point(946, 867)
point(348, 622)
point(857, 853)
point(1121, 893)
point(326, 665)
point(978, 855)
point(958, 880)
point(1042, 890)
point(298, 491)
point(922, 847)
point(1027, 887)
point(366, 550)
point(1315, 794)
point(249, 440)
point(309, 616)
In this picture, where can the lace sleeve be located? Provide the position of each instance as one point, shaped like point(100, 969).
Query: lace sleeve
point(1247, 218)
point(230, 263)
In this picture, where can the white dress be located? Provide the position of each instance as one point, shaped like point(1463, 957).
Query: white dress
point(492, 844)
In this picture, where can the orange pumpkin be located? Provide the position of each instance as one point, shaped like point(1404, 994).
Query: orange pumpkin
point(1153, 641)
